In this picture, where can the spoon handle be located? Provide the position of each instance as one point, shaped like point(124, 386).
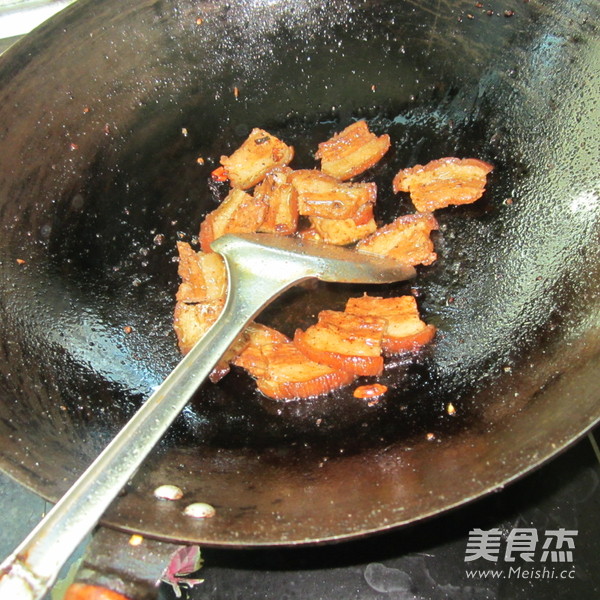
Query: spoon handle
point(32, 568)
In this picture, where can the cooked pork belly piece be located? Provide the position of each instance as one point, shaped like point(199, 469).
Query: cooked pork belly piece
point(352, 151)
point(443, 182)
point(406, 239)
point(339, 232)
point(290, 374)
point(344, 341)
point(404, 330)
point(281, 200)
point(192, 321)
point(238, 213)
point(259, 154)
point(250, 356)
point(203, 275)
point(320, 195)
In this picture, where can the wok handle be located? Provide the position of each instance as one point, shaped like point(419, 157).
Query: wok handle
point(32, 568)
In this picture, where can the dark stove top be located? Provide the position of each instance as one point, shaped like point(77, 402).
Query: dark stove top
point(422, 562)
point(427, 561)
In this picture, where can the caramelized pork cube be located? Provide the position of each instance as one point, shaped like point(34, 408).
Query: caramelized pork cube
point(281, 200)
point(310, 235)
point(344, 341)
point(407, 240)
point(238, 213)
point(289, 374)
point(320, 195)
point(404, 330)
point(352, 151)
point(259, 154)
point(341, 232)
point(443, 182)
point(192, 321)
point(203, 275)
point(251, 357)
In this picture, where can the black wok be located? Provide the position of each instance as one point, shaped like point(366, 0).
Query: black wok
point(103, 113)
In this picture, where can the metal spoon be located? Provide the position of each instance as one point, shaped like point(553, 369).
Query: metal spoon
point(260, 267)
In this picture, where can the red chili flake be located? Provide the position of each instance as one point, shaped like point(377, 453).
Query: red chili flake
point(236, 92)
point(431, 437)
point(20, 261)
point(508, 201)
point(509, 13)
point(219, 174)
point(128, 329)
point(478, 4)
point(370, 391)
point(86, 110)
point(200, 160)
point(73, 146)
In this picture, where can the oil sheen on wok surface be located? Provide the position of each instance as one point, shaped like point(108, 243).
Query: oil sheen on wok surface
point(97, 214)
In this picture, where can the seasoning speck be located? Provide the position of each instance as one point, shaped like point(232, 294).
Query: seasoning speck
point(236, 92)
point(135, 540)
point(450, 409)
point(430, 437)
point(128, 329)
point(509, 13)
point(370, 391)
point(168, 492)
point(199, 21)
point(200, 160)
point(199, 510)
point(184, 131)
point(20, 261)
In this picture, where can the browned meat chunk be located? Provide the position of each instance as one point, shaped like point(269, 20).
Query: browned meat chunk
point(352, 151)
point(404, 330)
point(238, 213)
point(251, 357)
point(344, 341)
point(203, 275)
point(259, 154)
point(443, 182)
point(406, 239)
point(341, 232)
point(290, 374)
point(192, 321)
point(281, 199)
point(320, 195)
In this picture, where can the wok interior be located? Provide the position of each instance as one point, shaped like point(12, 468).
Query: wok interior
point(102, 180)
